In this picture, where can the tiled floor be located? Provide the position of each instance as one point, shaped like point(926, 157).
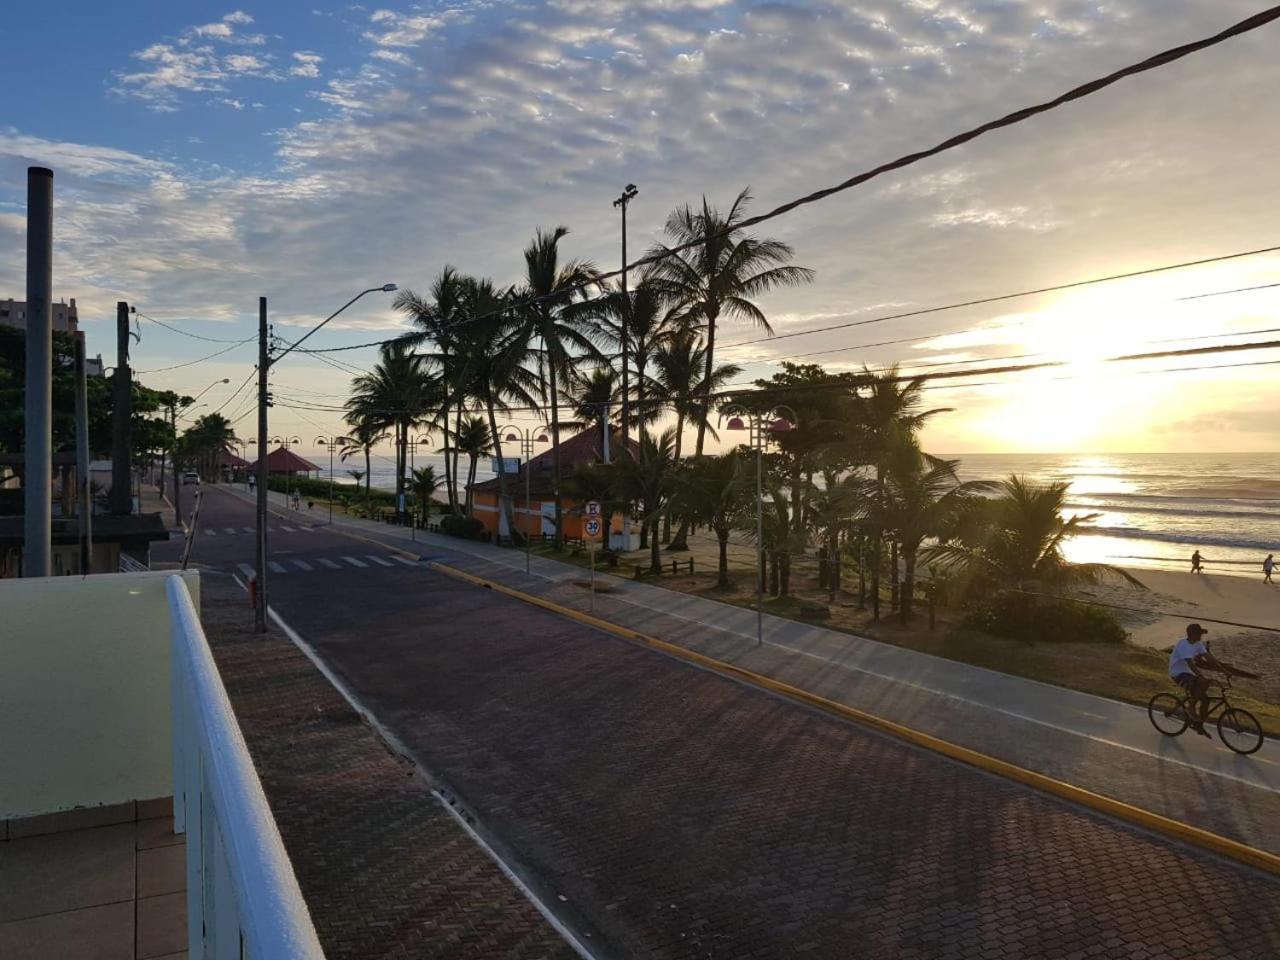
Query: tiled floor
point(95, 889)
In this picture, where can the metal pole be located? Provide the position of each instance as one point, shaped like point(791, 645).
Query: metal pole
point(121, 481)
point(759, 535)
point(264, 365)
point(592, 551)
point(526, 447)
point(331, 446)
point(37, 481)
point(413, 520)
point(82, 461)
point(177, 474)
point(626, 339)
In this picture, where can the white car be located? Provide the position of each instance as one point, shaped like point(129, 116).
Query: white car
point(190, 477)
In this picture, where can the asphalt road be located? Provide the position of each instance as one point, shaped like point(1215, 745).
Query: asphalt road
point(666, 812)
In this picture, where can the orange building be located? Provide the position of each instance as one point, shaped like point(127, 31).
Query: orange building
point(535, 513)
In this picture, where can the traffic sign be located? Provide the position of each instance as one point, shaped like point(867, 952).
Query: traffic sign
point(592, 528)
point(592, 509)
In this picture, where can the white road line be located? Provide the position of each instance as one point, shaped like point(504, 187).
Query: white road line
point(303, 565)
point(245, 569)
point(245, 529)
point(287, 529)
point(277, 567)
point(306, 530)
point(329, 563)
point(405, 560)
point(377, 559)
point(232, 530)
point(354, 562)
point(209, 532)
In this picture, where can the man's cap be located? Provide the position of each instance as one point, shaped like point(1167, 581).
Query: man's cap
point(1196, 629)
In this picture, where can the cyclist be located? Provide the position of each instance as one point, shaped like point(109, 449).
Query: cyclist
point(1189, 657)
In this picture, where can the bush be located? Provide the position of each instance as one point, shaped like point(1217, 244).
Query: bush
point(1020, 616)
point(457, 525)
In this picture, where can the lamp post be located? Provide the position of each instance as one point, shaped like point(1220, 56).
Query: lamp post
point(413, 444)
point(525, 437)
point(286, 442)
point(265, 362)
point(331, 444)
point(628, 194)
point(243, 446)
point(761, 427)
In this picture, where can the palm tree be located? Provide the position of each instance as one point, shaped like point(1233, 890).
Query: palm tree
point(721, 274)
point(681, 366)
point(645, 479)
point(434, 318)
point(425, 484)
point(831, 510)
point(396, 394)
point(473, 439)
point(206, 440)
point(1020, 543)
point(497, 365)
point(366, 434)
point(357, 475)
point(716, 492)
point(554, 286)
point(645, 317)
point(591, 399)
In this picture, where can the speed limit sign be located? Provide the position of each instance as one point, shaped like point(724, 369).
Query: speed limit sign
point(592, 528)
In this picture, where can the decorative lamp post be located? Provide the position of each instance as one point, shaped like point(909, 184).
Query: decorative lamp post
point(762, 427)
point(525, 437)
point(331, 444)
point(413, 445)
point(286, 443)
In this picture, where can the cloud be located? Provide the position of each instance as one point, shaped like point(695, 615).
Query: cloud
point(307, 65)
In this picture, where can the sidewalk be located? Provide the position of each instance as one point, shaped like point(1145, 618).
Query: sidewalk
point(1101, 745)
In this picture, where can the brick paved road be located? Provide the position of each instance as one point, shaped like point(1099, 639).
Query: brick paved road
point(674, 814)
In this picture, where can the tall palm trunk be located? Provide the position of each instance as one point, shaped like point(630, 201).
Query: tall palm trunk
point(722, 578)
point(450, 455)
point(711, 313)
point(368, 474)
point(457, 429)
point(908, 581)
point(471, 479)
point(504, 502)
point(666, 520)
point(555, 442)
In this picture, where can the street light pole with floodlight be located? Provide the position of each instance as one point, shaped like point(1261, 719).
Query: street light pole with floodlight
point(525, 437)
point(628, 194)
point(413, 445)
point(762, 427)
point(286, 443)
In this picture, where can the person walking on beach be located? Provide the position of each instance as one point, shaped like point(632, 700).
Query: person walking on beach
point(1268, 565)
point(1195, 563)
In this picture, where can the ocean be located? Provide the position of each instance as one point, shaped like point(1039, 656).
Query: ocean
point(1154, 509)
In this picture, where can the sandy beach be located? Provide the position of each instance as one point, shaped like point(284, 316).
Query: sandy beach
point(1175, 598)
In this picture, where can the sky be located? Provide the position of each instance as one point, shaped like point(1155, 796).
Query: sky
point(206, 154)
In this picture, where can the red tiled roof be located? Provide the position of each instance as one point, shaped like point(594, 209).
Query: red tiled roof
point(281, 460)
point(228, 459)
point(584, 447)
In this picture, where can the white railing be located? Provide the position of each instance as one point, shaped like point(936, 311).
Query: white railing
point(242, 897)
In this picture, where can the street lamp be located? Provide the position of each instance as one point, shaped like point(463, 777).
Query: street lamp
point(265, 363)
point(525, 437)
point(413, 445)
point(331, 444)
point(762, 428)
point(286, 443)
point(628, 194)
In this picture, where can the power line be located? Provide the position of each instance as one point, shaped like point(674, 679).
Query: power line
point(1223, 293)
point(227, 402)
point(185, 333)
point(1010, 296)
point(192, 363)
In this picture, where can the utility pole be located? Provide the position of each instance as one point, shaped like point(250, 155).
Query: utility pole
point(85, 505)
point(37, 479)
point(264, 367)
point(121, 475)
point(177, 474)
point(628, 194)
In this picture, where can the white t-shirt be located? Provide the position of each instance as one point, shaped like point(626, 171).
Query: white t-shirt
point(1184, 651)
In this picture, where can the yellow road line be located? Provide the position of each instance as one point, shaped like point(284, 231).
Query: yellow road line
point(1185, 832)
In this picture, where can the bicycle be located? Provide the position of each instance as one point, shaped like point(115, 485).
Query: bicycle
point(1238, 729)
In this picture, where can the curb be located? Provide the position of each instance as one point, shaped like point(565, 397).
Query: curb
point(1147, 819)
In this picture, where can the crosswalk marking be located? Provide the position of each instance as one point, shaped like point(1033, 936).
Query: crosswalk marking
point(209, 532)
point(232, 530)
point(245, 569)
point(287, 529)
point(302, 564)
point(405, 560)
point(306, 529)
point(329, 563)
point(377, 559)
point(277, 567)
point(354, 562)
point(245, 529)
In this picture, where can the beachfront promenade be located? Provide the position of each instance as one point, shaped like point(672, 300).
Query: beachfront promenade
point(1102, 745)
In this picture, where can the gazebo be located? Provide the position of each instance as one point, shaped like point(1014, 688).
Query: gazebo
point(285, 461)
